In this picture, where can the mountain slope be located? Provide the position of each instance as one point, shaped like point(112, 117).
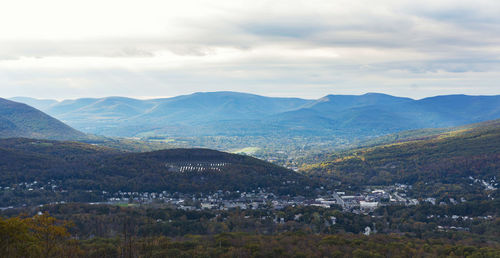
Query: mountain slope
point(206, 106)
point(40, 104)
point(82, 167)
point(378, 114)
point(21, 120)
point(212, 106)
point(443, 163)
point(334, 103)
point(117, 116)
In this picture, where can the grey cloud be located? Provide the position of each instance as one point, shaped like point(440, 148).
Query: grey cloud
point(464, 13)
point(5, 57)
point(299, 27)
point(457, 40)
point(74, 48)
point(368, 31)
point(448, 65)
point(285, 79)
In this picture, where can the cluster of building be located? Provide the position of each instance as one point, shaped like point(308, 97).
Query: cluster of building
point(357, 202)
point(32, 186)
point(488, 185)
point(363, 202)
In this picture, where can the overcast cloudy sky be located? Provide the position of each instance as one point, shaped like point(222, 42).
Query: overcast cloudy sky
point(145, 48)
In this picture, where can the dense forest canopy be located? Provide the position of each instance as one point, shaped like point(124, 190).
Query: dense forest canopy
point(79, 166)
point(444, 162)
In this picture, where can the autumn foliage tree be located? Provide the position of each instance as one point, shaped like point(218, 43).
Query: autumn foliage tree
point(38, 236)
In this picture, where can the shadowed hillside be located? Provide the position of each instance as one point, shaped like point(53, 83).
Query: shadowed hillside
point(82, 167)
point(21, 120)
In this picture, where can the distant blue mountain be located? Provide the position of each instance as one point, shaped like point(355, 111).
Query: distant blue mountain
point(214, 106)
point(232, 113)
point(341, 102)
point(37, 103)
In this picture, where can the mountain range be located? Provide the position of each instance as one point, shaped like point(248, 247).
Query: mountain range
point(233, 114)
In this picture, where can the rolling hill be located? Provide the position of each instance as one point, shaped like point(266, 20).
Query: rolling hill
point(446, 164)
point(378, 114)
point(79, 167)
point(235, 114)
point(194, 114)
point(21, 120)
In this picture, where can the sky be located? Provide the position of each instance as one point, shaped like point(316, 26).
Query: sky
point(62, 49)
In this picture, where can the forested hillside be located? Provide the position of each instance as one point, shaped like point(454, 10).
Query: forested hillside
point(448, 163)
point(81, 167)
point(21, 120)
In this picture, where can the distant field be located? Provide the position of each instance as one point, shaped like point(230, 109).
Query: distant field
point(247, 150)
